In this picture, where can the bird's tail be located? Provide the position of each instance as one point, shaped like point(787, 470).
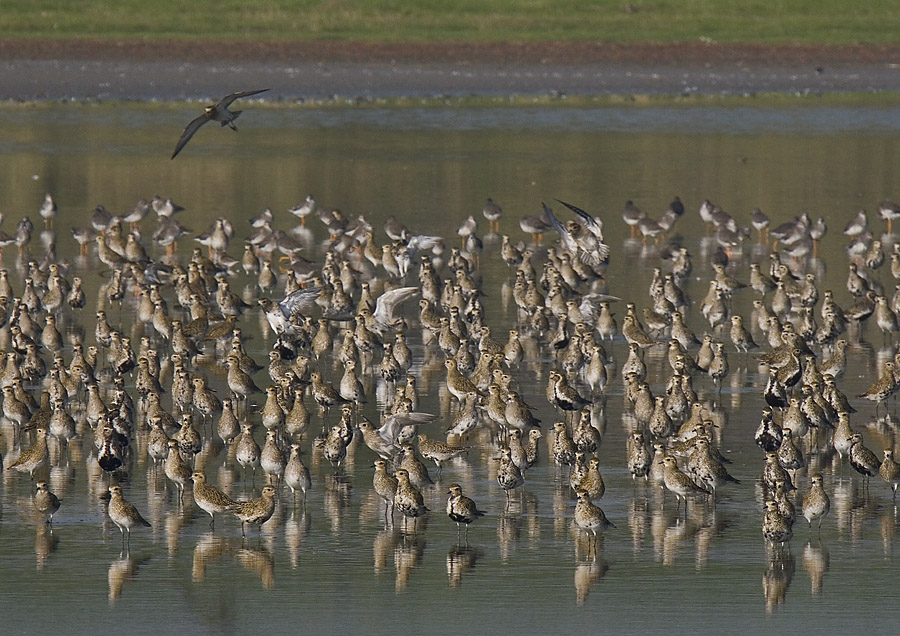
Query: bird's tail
point(230, 122)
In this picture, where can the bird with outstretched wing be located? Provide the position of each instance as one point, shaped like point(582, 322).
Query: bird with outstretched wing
point(214, 112)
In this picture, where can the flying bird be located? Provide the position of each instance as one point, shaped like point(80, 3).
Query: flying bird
point(214, 112)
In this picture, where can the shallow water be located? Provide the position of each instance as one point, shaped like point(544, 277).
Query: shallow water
point(331, 565)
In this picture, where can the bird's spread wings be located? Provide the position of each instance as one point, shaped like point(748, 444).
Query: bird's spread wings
point(302, 300)
point(589, 221)
point(189, 131)
point(226, 101)
point(565, 236)
point(388, 301)
point(195, 124)
point(592, 252)
point(391, 425)
point(590, 303)
point(423, 242)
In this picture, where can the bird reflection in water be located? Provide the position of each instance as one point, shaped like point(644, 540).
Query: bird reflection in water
point(120, 572)
point(888, 527)
point(176, 519)
point(532, 520)
point(841, 503)
point(295, 530)
point(372, 507)
point(157, 499)
point(713, 522)
point(816, 562)
point(268, 528)
point(638, 516)
point(337, 500)
point(209, 549)
point(860, 507)
point(461, 559)
point(780, 566)
point(259, 560)
point(590, 566)
point(62, 476)
point(509, 528)
point(408, 552)
point(561, 503)
point(670, 531)
point(45, 543)
point(382, 546)
point(226, 475)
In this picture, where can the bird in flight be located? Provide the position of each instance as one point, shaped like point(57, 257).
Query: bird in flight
point(214, 112)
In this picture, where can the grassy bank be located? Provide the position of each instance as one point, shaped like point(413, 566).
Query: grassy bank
point(763, 21)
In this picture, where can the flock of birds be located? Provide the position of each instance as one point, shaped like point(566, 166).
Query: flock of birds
point(188, 386)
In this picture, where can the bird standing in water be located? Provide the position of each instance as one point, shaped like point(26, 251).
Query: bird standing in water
point(256, 511)
point(124, 514)
point(460, 508)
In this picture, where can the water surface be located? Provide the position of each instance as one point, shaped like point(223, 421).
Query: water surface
point(331, 565)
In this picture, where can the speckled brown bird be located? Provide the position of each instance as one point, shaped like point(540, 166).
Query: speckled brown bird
point(124, 514)
point(460, 508)
point(256, 511)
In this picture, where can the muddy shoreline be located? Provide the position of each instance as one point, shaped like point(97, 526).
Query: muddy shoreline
point(179, 70)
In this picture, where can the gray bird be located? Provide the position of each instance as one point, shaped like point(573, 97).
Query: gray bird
point(214, 112)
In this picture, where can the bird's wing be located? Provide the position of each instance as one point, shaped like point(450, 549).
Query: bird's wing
point(423, 242)
point(388, 301)
point(595, 228)
point(301, 301)
point(389, 429)
point(391, 425)
point(590, 303)
point(568, 241)
point(189, 131)
point(415, 417)
point(599, 252)
point(597, 298)
point(226, 101)
point(554, 222)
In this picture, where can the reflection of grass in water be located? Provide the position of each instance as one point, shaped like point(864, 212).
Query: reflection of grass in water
point(850, 99)
point(801, 21)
